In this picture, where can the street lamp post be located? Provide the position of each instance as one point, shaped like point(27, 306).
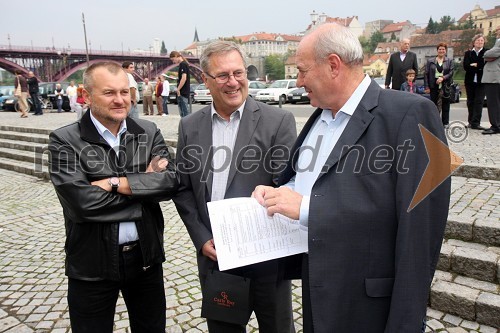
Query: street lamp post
point(64, 54)
point(85, 34)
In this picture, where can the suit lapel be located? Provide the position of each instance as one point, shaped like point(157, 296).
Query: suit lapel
point(357, 125)
point(205, 142)
point(246, 129)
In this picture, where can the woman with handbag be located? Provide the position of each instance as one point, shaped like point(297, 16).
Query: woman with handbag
point(438, 79)
point(21, 92)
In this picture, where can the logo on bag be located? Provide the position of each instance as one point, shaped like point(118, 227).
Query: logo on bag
point(224, 300)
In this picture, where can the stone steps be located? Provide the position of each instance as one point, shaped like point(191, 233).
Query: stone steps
point(467, 298)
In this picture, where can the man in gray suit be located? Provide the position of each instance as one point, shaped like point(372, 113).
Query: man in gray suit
point(224, 151)
point(399, 63)
point(371, 254)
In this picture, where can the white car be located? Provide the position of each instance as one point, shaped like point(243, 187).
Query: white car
point(202, 94)
point(277, 91)
point(254, 87)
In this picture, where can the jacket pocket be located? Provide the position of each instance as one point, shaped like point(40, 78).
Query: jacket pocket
point(379, 287)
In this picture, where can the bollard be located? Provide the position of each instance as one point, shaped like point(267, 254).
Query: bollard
point(279, 101)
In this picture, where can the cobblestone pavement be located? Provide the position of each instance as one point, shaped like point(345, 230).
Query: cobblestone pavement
point(33, 285)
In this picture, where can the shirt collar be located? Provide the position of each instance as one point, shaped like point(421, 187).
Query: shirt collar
point(103, 130)
point(352, 103)
point(239, 110)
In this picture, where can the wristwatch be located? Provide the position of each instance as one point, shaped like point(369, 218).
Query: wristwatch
point(114, 182)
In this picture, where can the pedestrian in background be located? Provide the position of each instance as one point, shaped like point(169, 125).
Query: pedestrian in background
point(147, 98)
point(129, 68)
point(159, 97)
point(183, 82)
point(473, 66)
point(80, 105)
point(71, 92)
point(22, 97)
point(110, 172)
point(438, 79)
point(165, 92)
point(34, 93)
point(491, 80)
point(409, 85)
point(399, 63)
point(59, 93)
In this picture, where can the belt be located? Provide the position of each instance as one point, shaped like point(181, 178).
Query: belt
point(129, 246)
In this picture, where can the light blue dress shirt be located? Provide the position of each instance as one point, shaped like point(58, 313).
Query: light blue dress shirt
point(318, 145)
point(127, 230)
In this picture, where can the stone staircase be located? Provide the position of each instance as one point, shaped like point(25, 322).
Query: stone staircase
point(466, 286)
point(25, 150)
point(467, 280)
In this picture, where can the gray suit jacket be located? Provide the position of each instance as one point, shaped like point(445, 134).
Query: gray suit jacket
point(264, 133)
point(370, 260)
point(491, 71)
point(396, 71)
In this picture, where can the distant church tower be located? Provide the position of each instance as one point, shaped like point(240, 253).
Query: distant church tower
point(196, 39)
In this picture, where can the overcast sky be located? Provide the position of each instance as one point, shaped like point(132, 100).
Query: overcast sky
point(134, 24)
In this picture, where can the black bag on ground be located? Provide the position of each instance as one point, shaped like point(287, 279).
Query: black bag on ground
point(226, 298)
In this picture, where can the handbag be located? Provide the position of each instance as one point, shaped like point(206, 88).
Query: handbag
point(18, 91)
point(447, 88)
point(226, 298)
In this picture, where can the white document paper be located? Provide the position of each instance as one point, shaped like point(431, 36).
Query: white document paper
point(244, 234)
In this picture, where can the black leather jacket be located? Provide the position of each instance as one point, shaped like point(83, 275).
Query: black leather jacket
point(78, 156)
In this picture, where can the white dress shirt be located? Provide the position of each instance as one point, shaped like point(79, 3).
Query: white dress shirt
point(127, 230)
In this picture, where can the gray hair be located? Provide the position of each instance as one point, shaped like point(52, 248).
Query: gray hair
point(341, 41)
point(216, 48)
point(476, 37)
point(88, 75)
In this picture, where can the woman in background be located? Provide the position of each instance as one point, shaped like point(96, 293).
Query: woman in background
point(438, 79)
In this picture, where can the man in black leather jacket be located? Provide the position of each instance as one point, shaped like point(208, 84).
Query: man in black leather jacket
point(110, 172)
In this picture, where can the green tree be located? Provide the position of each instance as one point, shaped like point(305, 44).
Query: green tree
point(431, 27)
point(446, 23)
point(365, 44)
point(163, 50)
point(76, 76)
point(375, 38)
point(274, 66)
point(490, 40)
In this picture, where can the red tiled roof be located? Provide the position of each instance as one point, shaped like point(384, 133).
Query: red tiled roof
point(393, 27)
point(448, 37)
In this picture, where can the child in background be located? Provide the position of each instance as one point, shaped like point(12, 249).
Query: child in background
point(409, 85)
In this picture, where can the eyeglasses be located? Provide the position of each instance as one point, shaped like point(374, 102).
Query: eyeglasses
point(224, 77)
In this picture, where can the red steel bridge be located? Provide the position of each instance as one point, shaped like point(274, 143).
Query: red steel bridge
point(50, 64)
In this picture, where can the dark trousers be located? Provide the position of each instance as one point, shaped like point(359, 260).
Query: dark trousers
point(493, 102)
point(92, 303)
point(36, 103)
point(443, 104)
point(475, 97)
point(272, 303)
point(165, 104)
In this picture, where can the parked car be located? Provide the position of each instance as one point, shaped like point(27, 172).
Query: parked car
point(202, 94)
point(11, 103)
point(277, 91)
point(298, 95)
point(5, 92)
point(254, 87)
point(172, 96)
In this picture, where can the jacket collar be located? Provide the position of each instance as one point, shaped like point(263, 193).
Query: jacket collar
point(88, 132)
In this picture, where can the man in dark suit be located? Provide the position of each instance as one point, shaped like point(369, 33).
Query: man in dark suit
point(370, 258)
point(399, 63)
point(224, 151)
